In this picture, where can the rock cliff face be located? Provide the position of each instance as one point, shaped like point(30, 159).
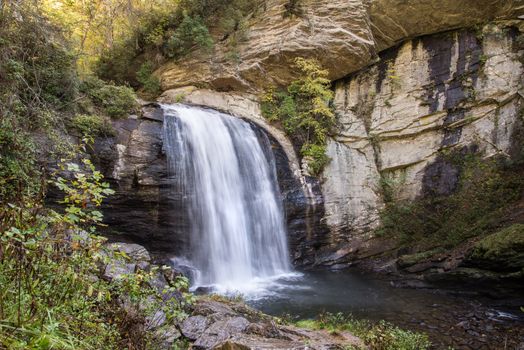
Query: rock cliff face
point(145, 208)
point(134, 163)
point(460, 89)
point(345, 35)
point(412, 79)
point(435, 93)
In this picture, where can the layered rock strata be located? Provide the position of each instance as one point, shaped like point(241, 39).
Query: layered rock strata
point(344, 35)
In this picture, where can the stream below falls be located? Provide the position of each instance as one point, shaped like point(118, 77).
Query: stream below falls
point(463, 322)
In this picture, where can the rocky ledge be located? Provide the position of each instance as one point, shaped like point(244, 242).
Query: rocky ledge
point(222, 324)
point(345, 35)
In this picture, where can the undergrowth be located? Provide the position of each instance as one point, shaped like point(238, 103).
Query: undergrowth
point(52, 295)
point(161, 35)
point(487, 189)
point(41, 94)
point(376, 336)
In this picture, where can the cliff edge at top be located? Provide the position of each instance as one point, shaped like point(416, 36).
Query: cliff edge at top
point(344, 35)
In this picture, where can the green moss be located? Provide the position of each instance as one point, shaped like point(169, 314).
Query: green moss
point(409, 260)
point(504, 248)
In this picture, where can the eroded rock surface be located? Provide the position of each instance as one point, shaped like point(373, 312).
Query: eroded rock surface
point(345, 35)
point(459, 90)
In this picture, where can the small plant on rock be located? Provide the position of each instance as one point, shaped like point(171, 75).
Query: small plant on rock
point(91, 126)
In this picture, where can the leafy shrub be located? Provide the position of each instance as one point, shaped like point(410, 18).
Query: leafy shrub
point(304, 110)
point(37, 78)
point(174, 34)
point(92, 126)
point(19, 175)
point(150, 83)
point(190, 33)
point(37, 67)
point(39, 91)
point(379, 336)
point(115, 101)
point(46, 301)
point(52, 294)
point(118, 64)
point(316, 155)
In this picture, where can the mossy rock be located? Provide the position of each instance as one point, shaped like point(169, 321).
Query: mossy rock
point(501, 251)
point(412, 259)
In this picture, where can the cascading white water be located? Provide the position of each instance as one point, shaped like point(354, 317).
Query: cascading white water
point(227, 177)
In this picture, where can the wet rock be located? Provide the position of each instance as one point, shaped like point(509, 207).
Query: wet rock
point(133, 162)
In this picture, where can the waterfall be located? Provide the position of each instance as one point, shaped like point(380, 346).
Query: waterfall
point(225, 174)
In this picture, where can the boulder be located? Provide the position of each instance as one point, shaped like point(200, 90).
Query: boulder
point(134, 252)
point(117, 269)
point(194, 326)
